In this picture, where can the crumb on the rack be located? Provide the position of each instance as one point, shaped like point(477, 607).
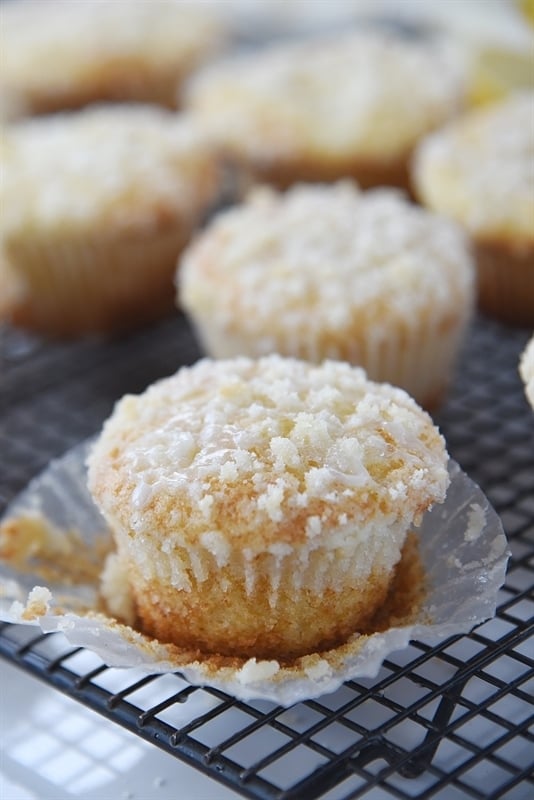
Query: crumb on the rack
point(476, 520)
point(37, 604)
point(253, 670)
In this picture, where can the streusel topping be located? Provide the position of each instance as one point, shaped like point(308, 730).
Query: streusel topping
point(369, 95)
point(268, 453)
point(331, 254)
point(480, 169)
point(127, 165)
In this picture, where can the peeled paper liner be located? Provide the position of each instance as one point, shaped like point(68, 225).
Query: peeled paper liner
point(461, 545)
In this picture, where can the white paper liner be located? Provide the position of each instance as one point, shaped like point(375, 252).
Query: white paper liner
point(462, 547)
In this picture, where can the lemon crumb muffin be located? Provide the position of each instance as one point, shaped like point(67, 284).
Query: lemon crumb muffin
point(329, 271)
point(64, 55)
point(324, 110)
point(261, 506)
point(480, 171)
point(526, 369)
point(96, 206)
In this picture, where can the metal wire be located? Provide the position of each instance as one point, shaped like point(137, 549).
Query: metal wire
point(445, 721)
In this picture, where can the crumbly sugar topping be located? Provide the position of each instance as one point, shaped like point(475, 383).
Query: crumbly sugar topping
point(328, 255)
point(47, 44)
point(480, 169)
point(131, 165)
point(526, 368)
point(264, 454)
point(366, 95)
point(37, 605)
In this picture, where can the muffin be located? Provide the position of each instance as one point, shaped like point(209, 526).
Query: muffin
point(526, 369)
point(96, 206)
point(324, 110)
point(329, 271)
point(58, 55)
point(480, 171)
point(259, 507)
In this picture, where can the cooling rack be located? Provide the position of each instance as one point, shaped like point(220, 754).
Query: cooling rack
point(444, 722)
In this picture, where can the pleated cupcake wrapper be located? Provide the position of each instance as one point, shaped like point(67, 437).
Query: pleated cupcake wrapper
point(306, 567)
point(76, 286)
point(506, 284)
point(461, 545)
point(419, 357)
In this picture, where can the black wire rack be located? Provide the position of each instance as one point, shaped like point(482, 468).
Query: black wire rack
point(445, 722)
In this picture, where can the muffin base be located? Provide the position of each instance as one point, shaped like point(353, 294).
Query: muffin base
point(110, 284)
point(118, 83)
point(281, 604)
point(506, 281)
point(284, 172)
point(235, 623)
point(419, 359)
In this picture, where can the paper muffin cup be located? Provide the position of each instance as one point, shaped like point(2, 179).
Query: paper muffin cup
point(506, 281)
point(420, 358)
point(95, 283)
point(285, 602)
point(460, 544)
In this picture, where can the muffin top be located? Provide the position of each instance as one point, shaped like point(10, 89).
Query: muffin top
point(49, 46)
point(326, 256)
point(127, 165)
point(526, 369)
point(480, 169)
point(265, 453)
point(368, 96)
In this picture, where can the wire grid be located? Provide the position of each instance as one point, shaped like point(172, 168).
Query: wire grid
point(447, 722)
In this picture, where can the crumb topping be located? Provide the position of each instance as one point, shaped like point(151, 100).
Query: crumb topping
point(480, 169)
point(265, 453)
point(339, 254)
point(372, 95)
point(128, 165)
point(37, 605)
point(526, 368)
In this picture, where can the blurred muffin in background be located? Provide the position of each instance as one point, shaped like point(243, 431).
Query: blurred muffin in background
point(493, 37)
point(526, 370)
point(64, 55)
point(333, 272)
point(479, 170)
point(321, 110)
point(96, 206)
